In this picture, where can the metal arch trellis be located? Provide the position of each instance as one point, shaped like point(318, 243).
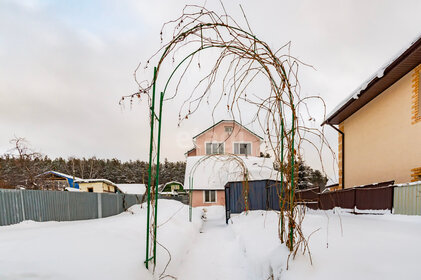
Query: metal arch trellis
point(153, 199)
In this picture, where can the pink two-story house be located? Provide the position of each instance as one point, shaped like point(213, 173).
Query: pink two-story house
point(223, 138)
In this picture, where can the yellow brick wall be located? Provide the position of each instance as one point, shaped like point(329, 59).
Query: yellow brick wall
point(416, 174)
point(416, 114)
point(341, 128)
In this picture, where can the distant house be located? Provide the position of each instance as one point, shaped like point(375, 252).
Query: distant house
point(222, 153)
point(226, 137)
point(379, 125)
point(97, 185)
point(173, 188)
point(53, 180)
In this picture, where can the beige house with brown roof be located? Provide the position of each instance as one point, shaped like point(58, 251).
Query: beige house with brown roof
point(379, 125)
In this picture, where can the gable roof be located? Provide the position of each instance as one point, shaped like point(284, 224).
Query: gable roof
point(59, 174)
point(101, 180)
point(406, 60)
point(232, 121)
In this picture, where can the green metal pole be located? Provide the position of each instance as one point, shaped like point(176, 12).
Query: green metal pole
point(190, 197)
point(158, 149)
point(150, 169)
point(291, 233)
point(282, 177)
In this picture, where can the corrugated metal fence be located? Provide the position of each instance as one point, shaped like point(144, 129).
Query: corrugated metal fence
point(360, 198)
point(19, 205)
point(264, 195)
point(407, 199)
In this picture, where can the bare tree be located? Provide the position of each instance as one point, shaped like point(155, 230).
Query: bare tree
point(25, 159)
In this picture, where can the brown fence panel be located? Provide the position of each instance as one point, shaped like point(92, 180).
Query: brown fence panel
point(343, 198)
point(309, 198)
point(378, 198)
point(328, 200)
point(346, 198)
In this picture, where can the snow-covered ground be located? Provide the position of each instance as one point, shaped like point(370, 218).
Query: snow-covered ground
point(344, 246)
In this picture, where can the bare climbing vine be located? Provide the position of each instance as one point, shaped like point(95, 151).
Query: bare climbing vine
point(241, 58)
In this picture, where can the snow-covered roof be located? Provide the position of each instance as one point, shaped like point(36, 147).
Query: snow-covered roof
point(58, 174)
point(213, 172)
point(69, 189)
point(95, 181)
point(376, 76)
point(132, 188)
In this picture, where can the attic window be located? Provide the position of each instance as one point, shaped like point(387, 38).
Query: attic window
point(416, 95)
point(228, 129)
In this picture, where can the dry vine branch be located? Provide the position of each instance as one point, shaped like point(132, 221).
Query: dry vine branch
point(242, 58)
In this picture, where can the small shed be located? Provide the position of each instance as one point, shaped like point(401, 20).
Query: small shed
point(173, 187)
point(97, 185)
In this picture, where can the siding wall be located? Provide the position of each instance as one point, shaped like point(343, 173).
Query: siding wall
point(381, 141)
point(198, 198)
point(218, 134)
point(98, 187)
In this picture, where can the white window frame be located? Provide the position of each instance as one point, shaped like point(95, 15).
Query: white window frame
point(204, 196)
point(219, 143)
point(242, 142)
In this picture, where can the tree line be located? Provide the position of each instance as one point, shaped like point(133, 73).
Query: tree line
point(20, 167)
point(17, 172)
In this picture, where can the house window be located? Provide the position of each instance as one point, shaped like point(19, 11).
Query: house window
point(90, 189)
point(214, 148)
point(228, 129)
point(210, 196)
point(242, 148)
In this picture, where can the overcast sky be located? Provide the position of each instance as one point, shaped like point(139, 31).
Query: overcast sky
point(65, 64)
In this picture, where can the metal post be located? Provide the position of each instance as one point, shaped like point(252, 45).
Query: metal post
point(150, 169)
point(99, 206)
point(190, 197)
point(291, 233)
point(282, 178)
point(157, 176)
point(23, 205)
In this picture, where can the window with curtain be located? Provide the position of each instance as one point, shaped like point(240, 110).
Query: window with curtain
point(242, 148)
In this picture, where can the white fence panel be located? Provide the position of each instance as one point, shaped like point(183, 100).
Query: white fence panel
point(407, 199)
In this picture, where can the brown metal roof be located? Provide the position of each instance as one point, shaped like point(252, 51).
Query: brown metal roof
point(231, 121)
point(398, 68)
